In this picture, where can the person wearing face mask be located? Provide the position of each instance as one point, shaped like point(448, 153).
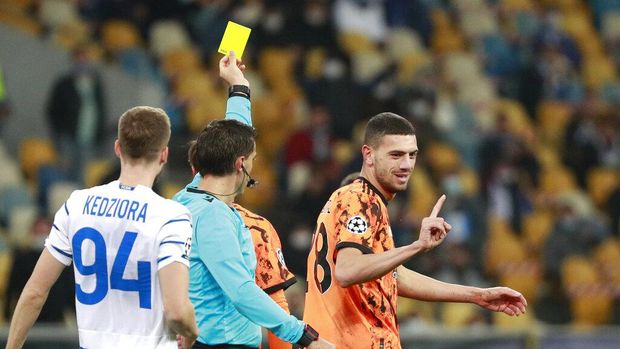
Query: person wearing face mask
point(76, 112)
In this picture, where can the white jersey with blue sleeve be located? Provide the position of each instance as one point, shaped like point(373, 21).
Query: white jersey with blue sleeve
point(117, 238)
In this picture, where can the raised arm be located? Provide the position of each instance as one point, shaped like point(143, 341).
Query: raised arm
point(238, 106)
point(355, 267)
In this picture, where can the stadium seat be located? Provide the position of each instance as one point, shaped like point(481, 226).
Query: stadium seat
point(600, 183)
point(58, 194)
point(556, 180)
point(536, 227)
point(553, 117)
point(168, 36)
point(53, 13)
point(598, 70)
point(71, 34)
point(21, 219)
point(512, 323)
point(422, 193)
point(182, 60)
point(591, 299)
point(34, 153)
point(20, 21)
point(118, 35)
point(517, 5)
point(402, 42)
point(95, 170)
point(459, 315)
point(352, 42)
point(264, 193)
point(13, 196)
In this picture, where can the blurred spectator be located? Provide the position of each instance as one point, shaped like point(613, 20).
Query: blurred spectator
point(577, 231)
point(76, 113)
point(508, 171)
point(365, 17)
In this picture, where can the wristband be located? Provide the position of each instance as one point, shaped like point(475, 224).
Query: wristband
point(310, 335)
point(239, 90)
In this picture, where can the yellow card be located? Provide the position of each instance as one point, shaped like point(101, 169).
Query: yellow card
point(235, 38)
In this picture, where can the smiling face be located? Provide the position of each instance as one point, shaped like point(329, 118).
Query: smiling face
point(390, 163)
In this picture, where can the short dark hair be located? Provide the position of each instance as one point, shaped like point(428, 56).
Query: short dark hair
point(219, 145)
point(386, 124)
point(143, 132)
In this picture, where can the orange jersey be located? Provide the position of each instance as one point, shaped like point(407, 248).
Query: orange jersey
point(271, 272)
point(362, 315)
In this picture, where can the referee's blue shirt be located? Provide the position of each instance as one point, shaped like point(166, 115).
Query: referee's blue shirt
point(230, 308)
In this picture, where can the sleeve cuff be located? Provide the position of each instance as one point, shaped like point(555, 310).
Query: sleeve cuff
point(281, 286)
point(347, 244)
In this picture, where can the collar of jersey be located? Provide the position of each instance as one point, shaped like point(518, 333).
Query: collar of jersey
point(373, 188)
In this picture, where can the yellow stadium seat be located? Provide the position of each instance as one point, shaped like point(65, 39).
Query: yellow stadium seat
point(553, 117)
point(315, 58)
point(517, 5)
point(21, 22)
point(193, 85)
point(598, 70)
point(34, 153)
point(181, 60)
point(168, 189)
point(201, 111)
point(607, 255)
point(601, 182)
point(536, 228)
point(591, 299)
point(409, 65)
point(71, 34)
point(459, 315)
point(522, 322)
point(523, 276)
point(117, 35)
point(422, 193)
point(352, 43)
point(518, 121)
point(264, 193)
point(95, 171)
point(556, 180)
point(442, 158)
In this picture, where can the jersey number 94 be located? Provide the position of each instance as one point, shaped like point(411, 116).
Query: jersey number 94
point(99, 268)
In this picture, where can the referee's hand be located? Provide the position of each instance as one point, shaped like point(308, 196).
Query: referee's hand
point(231, 70)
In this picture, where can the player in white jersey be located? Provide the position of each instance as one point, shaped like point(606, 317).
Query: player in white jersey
point(129, 248)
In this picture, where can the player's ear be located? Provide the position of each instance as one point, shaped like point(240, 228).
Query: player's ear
point(117, 148)
point(367, 154)
point(239, 163)
point(164, 156)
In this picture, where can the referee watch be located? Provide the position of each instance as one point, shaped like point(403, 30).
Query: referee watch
point(310, 335)
point(239, 90)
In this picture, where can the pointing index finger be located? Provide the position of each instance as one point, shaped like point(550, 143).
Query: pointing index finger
point(438, 206)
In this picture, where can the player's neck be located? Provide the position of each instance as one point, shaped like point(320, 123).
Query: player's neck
point(138, 174)
point(370, 177)
point(225, 188)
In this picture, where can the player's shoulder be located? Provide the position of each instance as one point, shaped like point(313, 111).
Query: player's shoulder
point(246, 213)
point(358, 191)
